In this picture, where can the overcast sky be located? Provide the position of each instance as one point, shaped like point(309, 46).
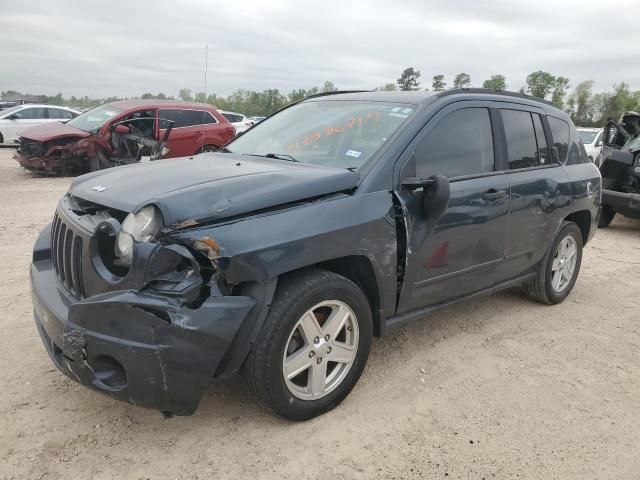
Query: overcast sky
point(127, 48)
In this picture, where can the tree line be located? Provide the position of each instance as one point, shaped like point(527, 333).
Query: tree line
point(585, 107)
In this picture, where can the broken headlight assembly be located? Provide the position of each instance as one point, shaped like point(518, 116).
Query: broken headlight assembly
point(138, 227)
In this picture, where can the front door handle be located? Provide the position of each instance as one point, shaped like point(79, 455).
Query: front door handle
point(493, 194)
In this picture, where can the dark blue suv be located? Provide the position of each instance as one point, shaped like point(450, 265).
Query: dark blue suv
point(284, 253)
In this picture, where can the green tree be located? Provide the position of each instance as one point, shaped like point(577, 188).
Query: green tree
point(580, 104)
point(200, 97)
point(409, 79)
point(496, 82)
point(462, 80)
point(185, 95)
point(559, 91)
point(438, 83)
point(328, 87)
point(296, 95)
point(145, 96)
point(540, 83)
point(387, 87)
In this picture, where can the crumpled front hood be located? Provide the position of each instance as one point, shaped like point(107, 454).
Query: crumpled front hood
point(50, 131)
point(211, 186)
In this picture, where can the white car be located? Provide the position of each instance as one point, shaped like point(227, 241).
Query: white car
point(592, 140)
point(239, 121)
point(16, 119)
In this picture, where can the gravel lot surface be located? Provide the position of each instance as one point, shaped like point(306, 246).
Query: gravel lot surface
point(498, 387)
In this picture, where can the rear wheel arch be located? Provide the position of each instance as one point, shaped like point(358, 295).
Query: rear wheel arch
point(582, 219)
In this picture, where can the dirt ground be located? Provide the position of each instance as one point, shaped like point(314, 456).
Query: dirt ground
point(498, 387)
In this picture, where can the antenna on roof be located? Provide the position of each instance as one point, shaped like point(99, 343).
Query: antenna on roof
point(204, 112)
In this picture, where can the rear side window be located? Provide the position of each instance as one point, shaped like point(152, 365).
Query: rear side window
point(60, 114)
point(185, 118)
point(233, 118)
point(560, 133)
point(541, 140)
point(460, 144)
point(520, 134)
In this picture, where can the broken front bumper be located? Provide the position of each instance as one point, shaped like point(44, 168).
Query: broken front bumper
point(136, 346)
point(40, 164)
point(627, 204)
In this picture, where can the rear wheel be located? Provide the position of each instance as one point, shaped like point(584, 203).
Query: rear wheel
point(559, 268)
point(313, 346)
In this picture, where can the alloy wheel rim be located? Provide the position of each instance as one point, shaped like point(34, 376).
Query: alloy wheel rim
point(320, 350)
point(564, 263)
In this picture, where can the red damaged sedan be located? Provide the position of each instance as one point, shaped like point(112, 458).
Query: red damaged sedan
point(123, 132)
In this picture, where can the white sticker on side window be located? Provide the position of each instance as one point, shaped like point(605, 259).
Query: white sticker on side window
point(352, 153)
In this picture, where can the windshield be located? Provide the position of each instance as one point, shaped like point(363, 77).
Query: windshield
point(587, 136)
point(335, 133)
point(92, 120)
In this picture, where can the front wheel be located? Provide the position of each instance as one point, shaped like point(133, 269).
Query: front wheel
point(559, 268)
point(313, 346)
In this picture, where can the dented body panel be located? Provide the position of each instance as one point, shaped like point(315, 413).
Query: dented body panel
point(192, 302)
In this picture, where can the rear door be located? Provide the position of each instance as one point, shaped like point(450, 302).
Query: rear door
point(535, 185)
point(458, 253)
point(186, 136)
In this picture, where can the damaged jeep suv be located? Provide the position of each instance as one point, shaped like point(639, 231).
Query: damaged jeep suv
point(325, 225)
point(620, 169)
point(123, 132)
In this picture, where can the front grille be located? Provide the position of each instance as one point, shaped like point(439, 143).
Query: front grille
point(66, 255)
point(31, 148)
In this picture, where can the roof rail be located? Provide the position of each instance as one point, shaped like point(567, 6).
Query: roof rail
point(506, 93)
point(335, 92)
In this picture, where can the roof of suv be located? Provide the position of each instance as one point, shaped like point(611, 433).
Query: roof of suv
point(155, 103)
point(420, 97)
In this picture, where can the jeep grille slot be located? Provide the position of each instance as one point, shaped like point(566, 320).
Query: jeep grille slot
point(66, 255)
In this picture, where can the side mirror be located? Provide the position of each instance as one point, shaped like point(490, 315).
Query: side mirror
point(14, 116)
point(435, 195)
point(121, 129)
point(599, 143)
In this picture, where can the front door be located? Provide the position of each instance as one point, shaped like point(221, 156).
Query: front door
point(461, 251)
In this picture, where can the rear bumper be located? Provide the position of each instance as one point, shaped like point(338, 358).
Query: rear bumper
point(135, 346)
point(627, 204)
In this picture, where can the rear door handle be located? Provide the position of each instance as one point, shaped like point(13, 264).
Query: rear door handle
point(493, 194)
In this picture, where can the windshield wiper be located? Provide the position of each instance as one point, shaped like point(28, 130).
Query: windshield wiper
point(281, 156)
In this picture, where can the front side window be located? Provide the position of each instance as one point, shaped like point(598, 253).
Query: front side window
point(92, 120)
point(560, 133)
point(338, 133)
point(587, 136)
point(33, 113)
point(522, 147)
point(460, 144)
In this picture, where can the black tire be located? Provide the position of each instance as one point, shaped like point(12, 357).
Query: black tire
point(208, 148)
point(540, 288)
point(296, 294)
point(606, 216)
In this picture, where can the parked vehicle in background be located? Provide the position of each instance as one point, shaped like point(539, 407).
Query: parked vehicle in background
point(592, 140)
point(15, 120)
point(255, 120)
point(620, 169)
point(332, 221)
point(123, 132)
point(239, 121)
